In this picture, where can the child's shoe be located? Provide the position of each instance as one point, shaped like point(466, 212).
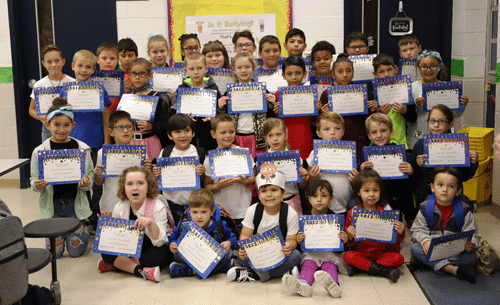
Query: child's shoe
point(103, 266)
point(326, 281)
point(295, 272)
point(415, 264)
point(241, 274)
point(297, 285)
point(351, 270)
point(179, 270)
point(466, 273)
point(151, 273)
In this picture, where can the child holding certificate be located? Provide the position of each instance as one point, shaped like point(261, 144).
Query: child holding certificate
point(127, 53)
point(64, 200)
point(53, 61)
point(322, 55)
point(377, 258)
point(268, 214)
point(207, 215)
point(448, 215)
point(158, 51)
point(216, 54)
point(440, 121)
point(431, 67)
point(320, 195)
point(137, 189)
point(107, 58)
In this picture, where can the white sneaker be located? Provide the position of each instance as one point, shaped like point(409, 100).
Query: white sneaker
point(295, 272)
point(326, 281)
point(296, 285)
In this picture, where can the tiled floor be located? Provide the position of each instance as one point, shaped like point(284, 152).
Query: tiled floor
point(81, 282)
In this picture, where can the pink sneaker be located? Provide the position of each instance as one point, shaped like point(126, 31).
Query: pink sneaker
point(104, 267)
point(151, 273)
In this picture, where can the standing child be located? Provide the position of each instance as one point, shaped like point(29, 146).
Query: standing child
point(270, 52)
point(322, 56)
point(295, 42)
point(189, 44)
point(320, 195)
point(137, 189)
point(444, 213)
point(158, 51)
point(244, 42)
point(409, 46)
point(376, 258)
point(53, 61)
point(269, 212)
point(107, 58)
point(356, 44)
point(127, 53)
point(64, 200)
point(216, 54)
point(248, 125)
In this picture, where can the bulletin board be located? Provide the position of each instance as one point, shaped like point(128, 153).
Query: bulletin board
point(178, 10)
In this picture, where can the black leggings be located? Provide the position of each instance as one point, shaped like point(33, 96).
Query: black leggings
point(151, 256)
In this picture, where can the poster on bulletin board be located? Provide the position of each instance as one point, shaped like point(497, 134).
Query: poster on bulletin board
point(216, 20)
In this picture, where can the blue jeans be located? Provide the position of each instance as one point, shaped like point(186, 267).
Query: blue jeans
point(222, 266)
point(463, 259)
point(290, 261)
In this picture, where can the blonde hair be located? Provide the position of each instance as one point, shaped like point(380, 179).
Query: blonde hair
point(150, 180)
point(271, 123)
point(86, 54)
point(378, 118)
point(201, 198)
point(246, 55)
point(330, 117)
point(158, 38)
point(220, 118)
point(194, 56)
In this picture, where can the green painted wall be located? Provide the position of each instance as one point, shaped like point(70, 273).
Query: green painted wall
point(6, 76)
point(457, 67)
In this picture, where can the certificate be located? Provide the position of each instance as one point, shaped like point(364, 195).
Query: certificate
point(199, 250)
point(335, 156)
point(348, 100)
point(140, 107)
point(309, 67)
point(272, 78)
point(322, 83)
point(448, 245)
point(112, 81)
point(298, 101)
point(230, 162)
point(222, 78)
point(386, 160)
point(246, 98)
point(179, 64)
point(287, 162)
point(166, 79)
point(61, 166)
point(363, 67)
point(375, 225)
point(450, 149)
point(322, 232)
point(44, 97)
point(264, 250)
point(84, 96)
point(446, 93)
point(198, 102)
point(408, 66)
point(116, 158)
point(117, 236)
point(178, 173)
point(393, 89)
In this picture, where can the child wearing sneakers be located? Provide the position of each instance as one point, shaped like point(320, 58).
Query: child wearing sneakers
point(207, 215)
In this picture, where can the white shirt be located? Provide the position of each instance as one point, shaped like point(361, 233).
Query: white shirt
point(245, 123)
point(45, 82)
point(109, 189)
point(270, 221)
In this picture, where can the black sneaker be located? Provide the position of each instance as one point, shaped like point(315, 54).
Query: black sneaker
point(241, 274)
point(466, 273)
point(415, 264)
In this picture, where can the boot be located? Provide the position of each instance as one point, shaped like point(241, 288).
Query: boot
point(351, 270)
point(390, 273)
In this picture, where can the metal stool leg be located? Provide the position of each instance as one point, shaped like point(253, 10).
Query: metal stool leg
point(55, 287)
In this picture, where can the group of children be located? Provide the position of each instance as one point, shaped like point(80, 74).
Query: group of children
point(223, 207)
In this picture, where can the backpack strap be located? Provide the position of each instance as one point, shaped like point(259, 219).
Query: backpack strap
point(257, 217)
point(283, 219)
point(167, 151)
point(150, 205)
point(458, 210)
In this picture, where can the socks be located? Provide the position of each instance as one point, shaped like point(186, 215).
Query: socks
point(308, 269)
point(137, 272)
point(455, 269)
point(331, 269)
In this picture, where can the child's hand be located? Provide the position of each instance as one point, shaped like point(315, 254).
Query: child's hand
point(173, 247)
point(271, 98)
point(365, 165)
point(242, 253)
point(276, 108)
point(148, 164)
point(351, 232)
point(98, 171)
point(426, 246)
point(399, 108)
point(300, 237)
point(226, 244)
point(85, 182)
point(304, 174)
point(222, 102)
point(127, 86)
point(352, 175)
point(200, 169)
point(170, 95)
point(385, 108)
point(325, 108)
point(144, 126)
point(470, 246)
point(106, 214)
point(315, 172)
point(207, 119)
point(405, 167)
point(314, 73)
point(421, 160)
point(143, 222)
point(191, 116)
point(419, 101)
point(464, 100)
point(222, 183)
point(343, 236)
point(372, 105)
point(474, 157)
point(399, 226)
point(156, 171)
point(287, 249)
point(241, 179)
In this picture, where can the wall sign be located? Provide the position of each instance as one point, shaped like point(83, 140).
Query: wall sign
point(399, 26)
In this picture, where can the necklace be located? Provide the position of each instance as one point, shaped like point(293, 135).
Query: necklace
point(57, 83)
point(140, 89)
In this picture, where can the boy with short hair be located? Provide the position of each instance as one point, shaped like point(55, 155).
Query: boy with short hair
point(409, 46)
point(379, 130)
point(127, 53)
point(107, 58)
point(295, 42)
point(207, 215)
point(270, 52)
point(356, 44)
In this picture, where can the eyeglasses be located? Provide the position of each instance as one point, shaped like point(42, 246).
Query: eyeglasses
point(244, 45)
point(432, 67)
point(440, 122)
point(140, 74)
point(123, 127)
point(191, 49)
point(360, 47)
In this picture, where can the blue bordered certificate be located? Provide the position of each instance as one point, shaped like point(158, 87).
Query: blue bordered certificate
point(393, 89)
point(199, 250)
point(61, 166)
point(375, 225)
point(272, 78)
point(230, 162)
point(386, 160)
point(166, 79)
point(349, 99)
point(322, 83)
point(408, 66)
point(450, 149)
point(178, 173)
point(197, 102)
point(140, 107)
point(298, 101)
point(117, 236)
point(179, 64)
point(221, 77)
point(322, 232)
point(44, 97)
point(363, 67)
point(84, 96)
point(112, 81)
point(287, 162)
point(264, 250)
point(309, 67)
point(116, 158)
point(334, 156)
point(246, 98)
point(448, 245)
point(446, 93)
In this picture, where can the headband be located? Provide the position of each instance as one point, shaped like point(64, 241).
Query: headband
point(433, 54)
point(66, 110)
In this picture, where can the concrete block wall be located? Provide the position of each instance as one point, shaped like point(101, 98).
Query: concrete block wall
point(496, 163)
